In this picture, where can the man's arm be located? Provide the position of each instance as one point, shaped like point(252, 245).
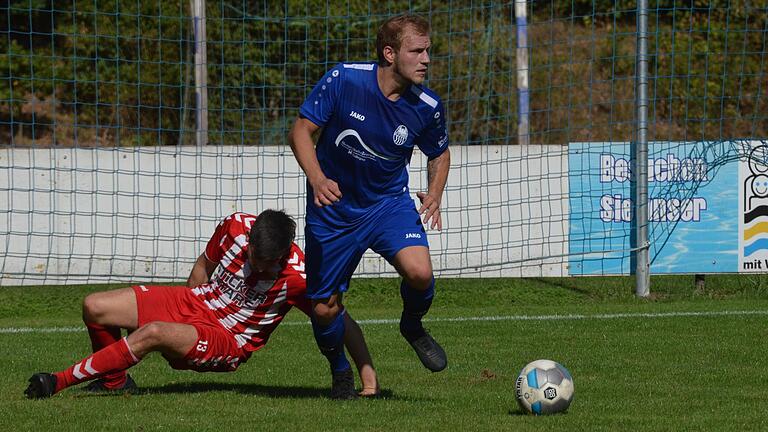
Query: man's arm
point(437, 176)
point(300, 138)
point(201, 271)
point(355, 343)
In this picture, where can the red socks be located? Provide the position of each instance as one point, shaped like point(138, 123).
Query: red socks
point(114, 358)
point(102, 337)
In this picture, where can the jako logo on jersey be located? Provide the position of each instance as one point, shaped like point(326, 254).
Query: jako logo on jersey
point(400, 135)
point(412, 235)
point(357, 116)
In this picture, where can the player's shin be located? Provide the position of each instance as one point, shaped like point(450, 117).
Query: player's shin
point(416, 304)
point(114, 358)
point(330, 340)
point(102, 337)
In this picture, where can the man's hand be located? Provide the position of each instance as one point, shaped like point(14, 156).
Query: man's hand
point(201, 271)
point(326, 191)
point(300, 137)
point(430, 209)
point(437, 175)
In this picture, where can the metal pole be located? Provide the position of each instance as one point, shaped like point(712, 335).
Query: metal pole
point(640, 245)
point(201, 72)
point(521, 20)
point(700, 283)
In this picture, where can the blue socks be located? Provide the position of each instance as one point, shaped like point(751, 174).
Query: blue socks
point(415, 305)
point(330, 340)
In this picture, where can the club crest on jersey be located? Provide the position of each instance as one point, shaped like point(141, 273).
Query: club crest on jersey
point(400, 135)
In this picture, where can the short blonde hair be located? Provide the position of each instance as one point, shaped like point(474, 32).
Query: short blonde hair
point(391, 33)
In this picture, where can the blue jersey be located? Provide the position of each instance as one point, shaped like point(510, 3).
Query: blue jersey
point(367, 140)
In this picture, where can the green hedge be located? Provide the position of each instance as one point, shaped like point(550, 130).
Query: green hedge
point(122, 74)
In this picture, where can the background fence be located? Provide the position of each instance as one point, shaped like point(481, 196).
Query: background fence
point(114, 80)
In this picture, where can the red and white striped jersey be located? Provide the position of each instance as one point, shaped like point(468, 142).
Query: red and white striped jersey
point(246, 303)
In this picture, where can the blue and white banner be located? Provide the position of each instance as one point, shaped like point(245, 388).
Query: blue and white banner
point(753, 210)
point(693, 208)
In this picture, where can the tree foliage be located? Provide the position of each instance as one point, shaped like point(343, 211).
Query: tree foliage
point(120, 73)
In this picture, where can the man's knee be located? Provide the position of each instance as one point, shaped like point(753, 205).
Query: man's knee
point(415, 266)
point(326, 312)
point(419, 278)
point(150, 337)
point(94, 308)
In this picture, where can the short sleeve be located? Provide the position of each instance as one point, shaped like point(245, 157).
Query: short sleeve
point(298, 298)
point(321, 103)
point(214, 250)
point(296, 280)
point(433, 141)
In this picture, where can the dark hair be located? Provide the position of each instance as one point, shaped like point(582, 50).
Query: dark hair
point(391, 33)
point(271, 235)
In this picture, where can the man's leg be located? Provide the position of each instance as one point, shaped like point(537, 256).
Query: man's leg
point(172, 339)
point(101, 312)
point(417, 291)
point(328, 326)
point(331, 258)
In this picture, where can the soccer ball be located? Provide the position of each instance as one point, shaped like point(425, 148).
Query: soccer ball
point(544, 387)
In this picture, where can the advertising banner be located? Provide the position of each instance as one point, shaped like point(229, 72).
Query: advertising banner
point(694, 208)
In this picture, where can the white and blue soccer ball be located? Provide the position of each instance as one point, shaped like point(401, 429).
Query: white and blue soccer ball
point(544, 387)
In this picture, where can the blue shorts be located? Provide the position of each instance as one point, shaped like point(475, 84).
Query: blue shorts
point(332, 253)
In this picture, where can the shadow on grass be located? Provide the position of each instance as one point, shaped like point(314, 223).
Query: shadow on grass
point(520, 413)
point(563, 284)
point(250, 389)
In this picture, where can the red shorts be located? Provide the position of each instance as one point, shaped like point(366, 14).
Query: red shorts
point(215, 350)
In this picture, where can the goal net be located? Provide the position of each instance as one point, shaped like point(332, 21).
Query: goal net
point(101, 179)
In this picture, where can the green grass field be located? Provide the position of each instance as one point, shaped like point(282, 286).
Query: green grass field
point(682, 360)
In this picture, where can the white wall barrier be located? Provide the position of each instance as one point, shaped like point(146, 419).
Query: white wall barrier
point(144, 214)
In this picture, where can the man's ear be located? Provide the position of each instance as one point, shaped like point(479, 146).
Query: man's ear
point(389, 54)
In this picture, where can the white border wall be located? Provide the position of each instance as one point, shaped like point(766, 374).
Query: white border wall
point(144, 214)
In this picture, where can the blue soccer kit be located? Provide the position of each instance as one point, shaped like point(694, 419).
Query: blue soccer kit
point(365, 146)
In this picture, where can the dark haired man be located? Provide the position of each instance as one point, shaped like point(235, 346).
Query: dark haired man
point(372, 116)
point(213, 324)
